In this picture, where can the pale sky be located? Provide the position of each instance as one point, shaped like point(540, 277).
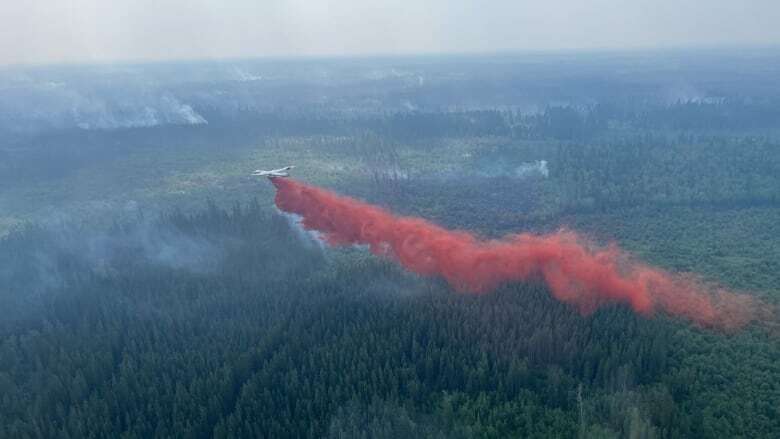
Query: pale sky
point(44, 31)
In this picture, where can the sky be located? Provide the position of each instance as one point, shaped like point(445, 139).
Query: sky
point(54, 31)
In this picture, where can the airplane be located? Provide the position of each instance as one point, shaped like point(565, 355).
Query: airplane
point(281, 172)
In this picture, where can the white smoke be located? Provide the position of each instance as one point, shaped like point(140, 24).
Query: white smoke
point(408, 105)
point(166, 110)
point(32, 105)
point(241, 75)
point(309, 237)
point(538, 167)
point(147, 241)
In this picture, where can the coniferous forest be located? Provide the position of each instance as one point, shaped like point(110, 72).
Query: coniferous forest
point(150, 288)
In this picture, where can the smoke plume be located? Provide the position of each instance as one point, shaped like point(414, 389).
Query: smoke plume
point(577, 272)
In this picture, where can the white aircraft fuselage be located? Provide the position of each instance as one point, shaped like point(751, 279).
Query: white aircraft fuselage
point(281, 172)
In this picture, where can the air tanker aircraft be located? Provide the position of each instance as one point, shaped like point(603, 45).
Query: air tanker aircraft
point(281, 172)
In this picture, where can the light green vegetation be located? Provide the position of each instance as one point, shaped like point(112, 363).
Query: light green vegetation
point(186, 175)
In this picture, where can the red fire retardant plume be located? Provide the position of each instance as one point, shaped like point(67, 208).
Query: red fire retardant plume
point(577, 273)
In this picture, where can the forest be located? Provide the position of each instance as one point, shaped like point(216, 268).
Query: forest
point(150, 288)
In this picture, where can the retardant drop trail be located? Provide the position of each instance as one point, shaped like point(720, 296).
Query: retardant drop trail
point(576, 272)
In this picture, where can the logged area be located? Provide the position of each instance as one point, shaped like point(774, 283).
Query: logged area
point(570, 245)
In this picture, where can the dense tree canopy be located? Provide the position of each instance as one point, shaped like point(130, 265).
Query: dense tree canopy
point(149, 288)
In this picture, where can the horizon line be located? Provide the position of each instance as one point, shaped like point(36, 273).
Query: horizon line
point(304, 57)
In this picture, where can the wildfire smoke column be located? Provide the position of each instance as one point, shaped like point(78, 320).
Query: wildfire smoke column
point(576, 272)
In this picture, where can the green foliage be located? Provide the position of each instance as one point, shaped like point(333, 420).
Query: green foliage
point(225, 321)
point(277, 338)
